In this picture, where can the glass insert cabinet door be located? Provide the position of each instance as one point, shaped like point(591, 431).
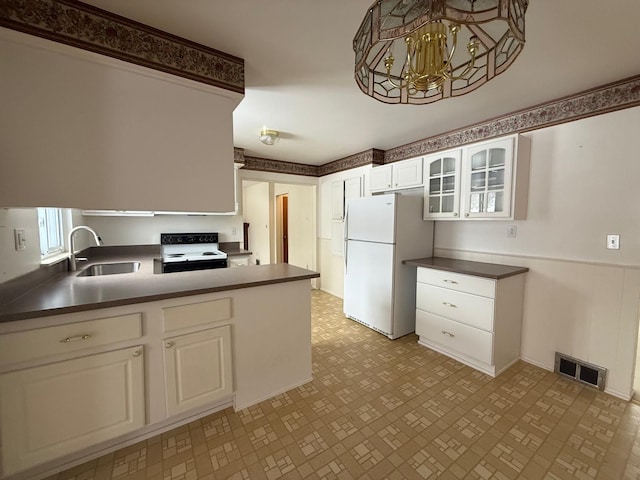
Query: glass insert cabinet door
point(488, 180)
point(442, 187)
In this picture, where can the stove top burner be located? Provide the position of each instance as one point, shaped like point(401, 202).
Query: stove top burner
point(190, 251)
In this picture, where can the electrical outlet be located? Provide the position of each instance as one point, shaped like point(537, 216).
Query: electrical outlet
point(233, 231)
point(613, 242)
point(512, 231)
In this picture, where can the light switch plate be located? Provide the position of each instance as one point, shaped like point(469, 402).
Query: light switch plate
point(21, 241)
point(613, 242)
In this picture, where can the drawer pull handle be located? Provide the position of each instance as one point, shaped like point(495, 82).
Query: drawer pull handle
point(137, 353)
point(77, 338)
point(453, 282)
point(448, 334)
point(169, 344)
point(452, 305)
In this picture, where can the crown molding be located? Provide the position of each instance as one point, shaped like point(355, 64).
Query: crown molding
point(89, 28)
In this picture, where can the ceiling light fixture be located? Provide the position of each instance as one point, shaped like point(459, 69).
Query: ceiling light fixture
point(269, 137)
point(426, 35)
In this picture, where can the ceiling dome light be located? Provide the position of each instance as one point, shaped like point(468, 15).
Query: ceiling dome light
point(269, 137)
point(427, 36)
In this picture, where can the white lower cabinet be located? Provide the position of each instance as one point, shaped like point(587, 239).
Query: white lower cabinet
point(55, 409)
point(197, 369)
point(76, 385)
point(475, 320)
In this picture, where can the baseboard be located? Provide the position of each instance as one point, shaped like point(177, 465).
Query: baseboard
point(238, 407)
point(614, 393)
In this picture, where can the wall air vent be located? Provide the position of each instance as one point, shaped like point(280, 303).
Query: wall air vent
point(580, 371)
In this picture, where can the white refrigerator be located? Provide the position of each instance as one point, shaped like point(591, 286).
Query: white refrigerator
point(380, 232)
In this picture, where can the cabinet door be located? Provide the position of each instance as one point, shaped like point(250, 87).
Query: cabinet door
point(53, 410)
point(380, 178)
point(442, 185)
point(197, 369)
point(487, 180)
point(407, 173)
point(337, 200)
point(352, 188)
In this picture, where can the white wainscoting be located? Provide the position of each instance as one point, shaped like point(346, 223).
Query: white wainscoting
point(585, 309)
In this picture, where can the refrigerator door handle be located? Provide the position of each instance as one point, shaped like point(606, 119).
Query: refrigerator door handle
point(346, 237)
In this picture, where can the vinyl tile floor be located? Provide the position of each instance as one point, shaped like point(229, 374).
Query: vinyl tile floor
point(382, 409)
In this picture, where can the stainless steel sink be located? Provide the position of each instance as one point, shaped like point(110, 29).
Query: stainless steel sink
point(109, 269)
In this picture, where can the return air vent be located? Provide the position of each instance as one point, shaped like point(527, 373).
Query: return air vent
point(580, 371)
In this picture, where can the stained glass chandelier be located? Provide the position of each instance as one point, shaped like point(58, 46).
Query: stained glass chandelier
point(422, 51)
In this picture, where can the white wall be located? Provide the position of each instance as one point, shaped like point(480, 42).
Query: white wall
point(302, 223)
point(580, 298)
point(255, 208)
point(78, 129)
point(14, 263)
point(584, 184)
point(147, 230)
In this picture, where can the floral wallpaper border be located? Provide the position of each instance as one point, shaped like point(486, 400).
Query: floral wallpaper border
point(278, 166)
point(83, 26)
point(89, 28)
point(608, 98)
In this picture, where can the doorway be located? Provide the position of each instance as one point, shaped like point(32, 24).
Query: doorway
point(282, 228)
point(263, 207)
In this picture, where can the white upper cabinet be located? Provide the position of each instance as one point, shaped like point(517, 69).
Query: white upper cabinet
point(481, 181)
point(380, 178)
point(487, 180)
point(352, 188)
point(337, 200)
point(341, 191)
point(396, 176)
point(442, 185)
point(140, 141)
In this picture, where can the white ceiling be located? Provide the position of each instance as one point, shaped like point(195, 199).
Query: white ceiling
point(299, 69)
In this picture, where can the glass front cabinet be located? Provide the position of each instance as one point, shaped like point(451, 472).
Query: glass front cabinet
point(480, 181)
point(442, 188)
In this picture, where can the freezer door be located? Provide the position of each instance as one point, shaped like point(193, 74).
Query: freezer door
point(368, 284)
point(372, 219)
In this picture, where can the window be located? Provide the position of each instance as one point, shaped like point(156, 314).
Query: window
point(51, 231)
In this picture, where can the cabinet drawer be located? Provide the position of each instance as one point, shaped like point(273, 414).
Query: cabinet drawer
point(194, 314)
point(454, 336)
point(464, 308)
point(457, 281)
point(42, 342)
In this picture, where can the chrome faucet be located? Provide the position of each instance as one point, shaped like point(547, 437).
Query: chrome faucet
point(72, 255)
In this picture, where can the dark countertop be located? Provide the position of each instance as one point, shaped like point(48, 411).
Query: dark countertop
point(67, 293)
point(233, 249)
point(479, 269)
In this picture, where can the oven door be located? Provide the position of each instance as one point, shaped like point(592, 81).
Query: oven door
point(170, 267)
